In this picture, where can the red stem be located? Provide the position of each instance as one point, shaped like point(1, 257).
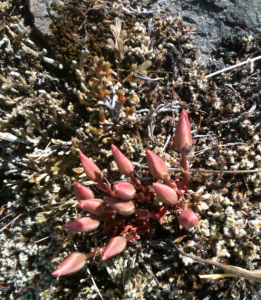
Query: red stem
point(181, 205)
point(137, 184)
point(173, 186)
point(185, 167)
point(94, 253)
point(163, 213)
point(112, 194)
point(104, 187)
point(106, 215)
point(131, 237)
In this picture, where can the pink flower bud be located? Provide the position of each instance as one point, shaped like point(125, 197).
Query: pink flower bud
point(183, 137)
point(91, 170)
point(93, 206)
point(157, 167)
point(165, 193)
point(122, 207)
point(83, 224)
point(81, 192)
point(124, 165)
point(124, 190)
point(115, 246)
point(72, 263)
point(187, 218)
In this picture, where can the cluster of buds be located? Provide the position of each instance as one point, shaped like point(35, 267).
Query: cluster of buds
point(120, 206)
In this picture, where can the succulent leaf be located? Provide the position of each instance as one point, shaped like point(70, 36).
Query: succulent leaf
point(115, 246)
point(124, 165)
point(124, 190)
point(165, 193)
point(187, 218)
point(157, 167)
point(183, 137)
point(81, 192)
point(72, 263)
point(83, 224)
point(122, 207)
point(93, 206)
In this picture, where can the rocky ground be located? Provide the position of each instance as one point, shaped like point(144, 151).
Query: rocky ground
point(56, 102)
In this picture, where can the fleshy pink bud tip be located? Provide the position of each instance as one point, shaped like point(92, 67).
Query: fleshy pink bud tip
point(124, 190)
point(157, 166)
point(115, 246)
point(83, 224)
point(165, 193)
point(187, 218)
point(72, 263)
point(183, 137)
point(90, 168)
point(81, 192)
point(124, 165)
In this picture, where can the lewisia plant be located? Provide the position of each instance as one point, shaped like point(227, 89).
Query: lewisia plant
point(119, 210)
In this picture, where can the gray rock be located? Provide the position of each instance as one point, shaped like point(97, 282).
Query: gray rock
point(214, 19)
point(42, 16)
